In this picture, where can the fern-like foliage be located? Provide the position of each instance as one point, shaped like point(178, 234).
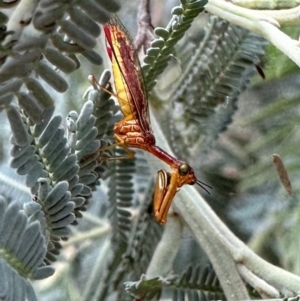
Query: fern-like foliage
point(62, 168)
point(195, 283)
point(140, 250)
point(23, 248)
point(53, 33)
point(131, 255)
point(215, 73)
point(121, 195)
point(198, 283)
point(161, 49)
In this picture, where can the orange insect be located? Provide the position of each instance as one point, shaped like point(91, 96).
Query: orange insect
point(135, 129)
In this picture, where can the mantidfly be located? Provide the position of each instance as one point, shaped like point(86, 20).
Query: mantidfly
point(134, 130)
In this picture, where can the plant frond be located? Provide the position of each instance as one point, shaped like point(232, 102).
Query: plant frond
point(143, 175)
point(195, 283)
point(51, 38)
point(130, 258)
point(198, 283)
point(215, 73)
point(162, 48)
point(145, 237)
point(53, 209)
point(43, 150)
point(23, 248)
point(145, 289)
point(47, 153)
point(121, 194)
point(40, 155)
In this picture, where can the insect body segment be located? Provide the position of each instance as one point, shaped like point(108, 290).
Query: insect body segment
point(135, 129)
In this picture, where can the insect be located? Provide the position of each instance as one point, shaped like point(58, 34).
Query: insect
point(134, 130)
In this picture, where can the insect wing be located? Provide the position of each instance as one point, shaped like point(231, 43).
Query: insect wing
point(122, 50)
point(124, 95)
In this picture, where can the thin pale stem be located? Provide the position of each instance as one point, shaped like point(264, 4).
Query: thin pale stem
point(164, 255)
point(282, 16)
point(220, 257)
point(223, 248)
point(97, 273)
point(88, 235)
point(264, 25)
point(261, 286)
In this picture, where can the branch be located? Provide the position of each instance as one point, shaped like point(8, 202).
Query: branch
point(162, 261)
point(263, 288)
point(145, 28)
point(263, 24)
point(189, 208)
point(223, 248)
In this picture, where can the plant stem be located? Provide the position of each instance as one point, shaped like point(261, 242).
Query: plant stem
point(223, 248)
point(166, 251)
point(203, 231)
point(265, 25)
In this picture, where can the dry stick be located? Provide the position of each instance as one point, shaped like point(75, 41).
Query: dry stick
point(145, 28)
point(282, 174)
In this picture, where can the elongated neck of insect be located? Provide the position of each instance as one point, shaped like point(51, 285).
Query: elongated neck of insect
point(164, 156)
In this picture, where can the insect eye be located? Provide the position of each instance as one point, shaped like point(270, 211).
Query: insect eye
point(184, 169)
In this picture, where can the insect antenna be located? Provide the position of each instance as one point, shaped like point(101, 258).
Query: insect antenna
point(202, 185)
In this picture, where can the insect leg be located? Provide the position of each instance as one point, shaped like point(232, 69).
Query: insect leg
point(165, 189)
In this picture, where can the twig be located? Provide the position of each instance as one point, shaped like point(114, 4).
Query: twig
point(282, 16)
point(265, 25)
point(80, 237)
point(164, 255)
point(262, 287)
point(145, 28)
point(190, 210)
point(221, 245)
point(97, 273)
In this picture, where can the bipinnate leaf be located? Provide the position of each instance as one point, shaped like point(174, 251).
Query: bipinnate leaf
point(23, 248)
